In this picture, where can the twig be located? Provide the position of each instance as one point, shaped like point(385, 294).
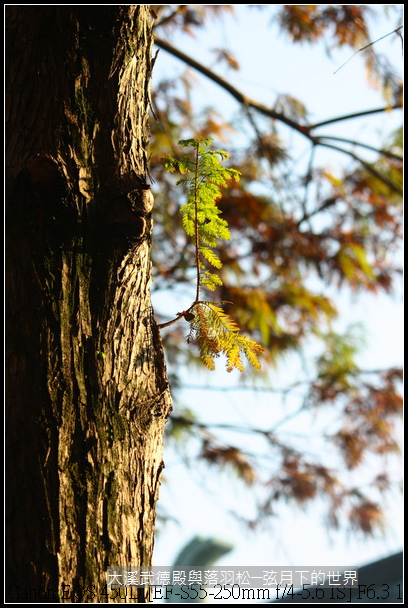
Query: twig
point(238, 95)
point(179, 316)
point(367, 166)
point(169, 17)
point(362, 145)
point(355, 115)
point(368, 46)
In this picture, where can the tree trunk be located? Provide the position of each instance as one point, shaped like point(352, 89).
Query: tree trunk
point(87, 391)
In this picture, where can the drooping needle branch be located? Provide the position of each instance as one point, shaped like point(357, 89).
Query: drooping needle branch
point(210, 327)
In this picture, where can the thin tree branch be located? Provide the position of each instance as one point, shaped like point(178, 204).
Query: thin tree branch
point(169, 17)
point(268, 389)
point(355, 115)
point(396, 31)
point(362, 145)
point(223, 426)
point(227, 389)
point(238, 95)
point(325, 205)
point(367, 166)
point(268, 434)
point(179, 316)
point(247, 101)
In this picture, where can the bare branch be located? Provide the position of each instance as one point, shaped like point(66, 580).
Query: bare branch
point(355, 115)
point(179, 316)
point(305, 130)
point(367, 166)
point(386, 153)
point(396, 31)
point(238, 95)
point(268, 389)
point(169, 17)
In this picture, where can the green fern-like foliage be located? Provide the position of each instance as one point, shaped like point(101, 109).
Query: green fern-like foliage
point(213, 330)
point(204, 175)
point(216, 333)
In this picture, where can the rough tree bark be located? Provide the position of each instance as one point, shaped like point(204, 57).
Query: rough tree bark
point(87, 391)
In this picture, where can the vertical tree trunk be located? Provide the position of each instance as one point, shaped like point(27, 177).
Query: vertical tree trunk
point(87, 391)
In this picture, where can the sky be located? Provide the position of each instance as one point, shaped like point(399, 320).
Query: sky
point(198, 496)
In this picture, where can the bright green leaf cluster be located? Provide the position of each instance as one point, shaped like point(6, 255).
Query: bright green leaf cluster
point(204, 176)
point(213, 330)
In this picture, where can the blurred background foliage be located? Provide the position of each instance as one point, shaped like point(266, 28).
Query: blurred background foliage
point(299, 234)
